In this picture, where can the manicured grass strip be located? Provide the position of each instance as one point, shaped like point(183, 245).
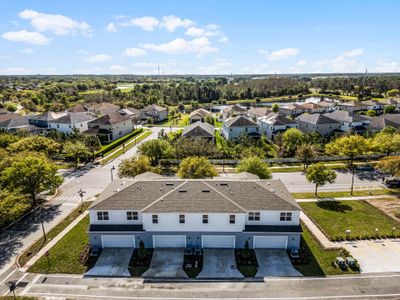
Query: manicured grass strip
point(335, 217)
point(64, 256)
point(39, 244)
point(181, 122)
point(127, 147)
point(247, 271)
point(17, 298)
point(320, 259)
point(338, 194)
point(125, 139)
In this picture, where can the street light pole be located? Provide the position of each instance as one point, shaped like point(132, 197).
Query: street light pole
point(40, 218)
point(81, 193)
point(112, 176)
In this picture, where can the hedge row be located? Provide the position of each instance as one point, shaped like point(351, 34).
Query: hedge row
point(118, 142)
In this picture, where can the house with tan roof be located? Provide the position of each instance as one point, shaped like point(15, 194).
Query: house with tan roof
point(166, 212)
point(198, 115)
point(154, 112)
point(102, 108)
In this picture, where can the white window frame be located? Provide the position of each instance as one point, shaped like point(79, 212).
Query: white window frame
point(154, 219)
point(182, 219)
point(132, 215)
point(204, 219)
point(103, 216)
point(254, 216)
point(232, 219)
point(286, 216)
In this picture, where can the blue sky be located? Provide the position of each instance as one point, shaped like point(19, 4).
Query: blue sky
point(199, 37)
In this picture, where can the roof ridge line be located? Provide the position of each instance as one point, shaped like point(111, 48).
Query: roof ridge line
point(162, 197)
point(224, 196)
point(280, 197)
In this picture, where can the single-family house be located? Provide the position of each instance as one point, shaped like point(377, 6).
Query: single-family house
point(378, 123)
point(132, 113)
point(198, 115)
point(233, 111)
point(312, 108)
point(42, 120)
point(235, 126)
point(349, 121)
point(165, 212)
point(274, 123)
point(352, 106)
point(78, 108)
point(16, 123)
point(155, 112)
point(110, 127)
point(325, 126)
point(102, 108)
point(72, 122)
point(199, 130)
point(391, 101)
point(291, 110)
point(257, 112)
point(328, 106)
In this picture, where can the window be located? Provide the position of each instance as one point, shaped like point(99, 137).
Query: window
point(254, 216)
point(286, 216)
point(132, 215)
point(205, 219)
point(102, 215)
point(232, 219)
point(181, 219)
point(155, 219)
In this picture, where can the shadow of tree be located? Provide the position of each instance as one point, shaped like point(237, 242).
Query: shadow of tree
point(334, 206)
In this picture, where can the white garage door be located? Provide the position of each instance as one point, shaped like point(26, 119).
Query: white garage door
point(118, 241)
point(270, 242)
point(218, 241)
point(169, 241)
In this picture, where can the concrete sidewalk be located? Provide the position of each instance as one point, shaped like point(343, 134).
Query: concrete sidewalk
point(353, 198)
point(319, 235)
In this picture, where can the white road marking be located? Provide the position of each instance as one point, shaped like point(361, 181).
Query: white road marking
point(28, 287)
point(18, 281)
point(8, 276)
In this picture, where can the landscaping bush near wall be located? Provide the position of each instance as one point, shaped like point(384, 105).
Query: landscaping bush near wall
point(118, 142)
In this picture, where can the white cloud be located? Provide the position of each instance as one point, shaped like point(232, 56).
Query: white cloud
point(118, 69)
point(223, 39)
point(27, 51)
point(353, 53)
point(384, 66)
point(197, 32)
point(82, 51)
point(172, 22)
point(31, 37)
point(134, 52)
point(280, 54)
point(146, 23)
point(111, 27)
point(220, 66)
point(16, 71)
point(200, 46)
point(153, 64)
point(58, 24)
point(98, 58)
point(301, 63)
point(7, 57)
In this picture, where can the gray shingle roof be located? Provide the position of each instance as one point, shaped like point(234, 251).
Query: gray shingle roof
point(111, 118)
point(73, 118)
point(240, 121)
point(201, 112)
point(153, 107)
point(345, 116)
point(199, 129)
point(277, 119)
point(233, 195)
point(316, 119)
point(258, 111)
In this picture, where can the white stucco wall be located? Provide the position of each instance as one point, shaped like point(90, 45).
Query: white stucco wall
point(69, 128)
point(273, 218)
point(115, 217)
point(234, 132)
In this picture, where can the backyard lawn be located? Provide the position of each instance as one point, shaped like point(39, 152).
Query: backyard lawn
point(320, 260)
point(335, 217)
point(64, 256)
point(356, 193)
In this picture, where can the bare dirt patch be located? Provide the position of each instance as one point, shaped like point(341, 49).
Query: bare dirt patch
point(390, 206)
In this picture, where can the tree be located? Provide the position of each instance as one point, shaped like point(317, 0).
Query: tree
point(389, 109)
point(291, 140)
point(35, 143)
point(77, 151)
point(156, 150)
point(32, 173)
point(196, 167)
point(275, 107)
point(185, 147)
point(210, 120)
point(351, 146)
point(92, 142)
point(371, 113)
point(393, 93)
point(390, 165)
point(134, 166)
point(386, 141)
point(13, 204)
point(256, 166)
point(320, 175)
point(7, 139)
point(306, 153)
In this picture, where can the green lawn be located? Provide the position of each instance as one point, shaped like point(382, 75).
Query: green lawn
point(64, 256)
point(320, 263)
point(39, 244)
point(177, 122)
point(338, 194)
point(335, 217)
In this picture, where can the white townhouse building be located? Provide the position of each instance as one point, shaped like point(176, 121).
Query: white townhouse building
point(72, 121)
point(195, 213)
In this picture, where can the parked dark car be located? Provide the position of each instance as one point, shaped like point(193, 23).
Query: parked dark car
point(366, 167)
point(393, 183)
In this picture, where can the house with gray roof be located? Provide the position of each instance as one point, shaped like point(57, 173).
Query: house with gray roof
point(235, 126)
point(257, 112)
point(154, 112)
point(378, 123)
point(42, 120)
point(199, 130)
point(16, 123)
point(349, 121)
point(72, 122)
point(325, 126)
point(198, 115)
point(274, 123)
point(166, 212)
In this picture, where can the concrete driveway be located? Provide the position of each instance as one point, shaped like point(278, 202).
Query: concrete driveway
point(166, 263)
point(112, 262)
point(219, 263)
point(376, 256)
point(275, 263)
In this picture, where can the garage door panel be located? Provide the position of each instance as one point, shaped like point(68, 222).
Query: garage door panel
point(270, 242)
point(169, 241)
point(118, 241)
point(218, 241)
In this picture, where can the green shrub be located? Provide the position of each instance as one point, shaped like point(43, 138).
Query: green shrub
point(118, 142)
